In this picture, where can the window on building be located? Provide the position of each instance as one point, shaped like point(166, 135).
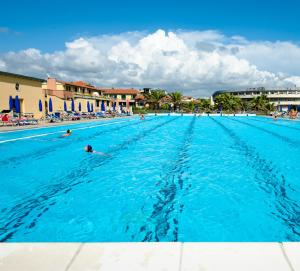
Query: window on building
point(123, 97)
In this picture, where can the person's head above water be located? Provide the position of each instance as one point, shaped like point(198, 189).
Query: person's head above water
point(69, 131)
point(88, 148)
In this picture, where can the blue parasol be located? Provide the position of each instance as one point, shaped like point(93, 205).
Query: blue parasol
point(65, 106)
point(120, 107)
point(88, 106)
point(79, 106)
point(11, 103)
point(92, 107)
point(17, 104)
point(40, 106)
point(50, 105)
point(73, 106)
point(114, 106)
point(103, 106)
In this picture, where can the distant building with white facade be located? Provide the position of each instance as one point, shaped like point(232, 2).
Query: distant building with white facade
point(283, 98)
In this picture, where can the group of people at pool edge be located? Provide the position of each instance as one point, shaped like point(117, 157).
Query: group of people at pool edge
point(88, 148)
point(292, 114)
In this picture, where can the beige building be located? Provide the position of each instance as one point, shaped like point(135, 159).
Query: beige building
point(29, 92)
point(80, 93)
point(35, 94)
point(122, 97)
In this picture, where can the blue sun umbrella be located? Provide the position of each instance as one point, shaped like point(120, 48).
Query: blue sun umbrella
point(88, 106)
point(103, 106)
point(73, 105)
point(40, 106)
point(11, 103)
point(65, 106)
point(50, 105)
point(92, 107)
point(79, 106)
point(120, 107)
point(114, 106)
point(17, 104)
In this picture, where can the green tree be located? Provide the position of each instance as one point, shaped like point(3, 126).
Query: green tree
point(228, 102)
point(188, 106)
point(176, 98)
point(262, 103)
point(154, 98)
point(205, 105)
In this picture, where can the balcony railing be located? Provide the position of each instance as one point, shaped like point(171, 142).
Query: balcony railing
point(65, 94)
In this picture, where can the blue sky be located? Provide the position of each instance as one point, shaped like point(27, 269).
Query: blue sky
point(48, 24)
point(194, 46)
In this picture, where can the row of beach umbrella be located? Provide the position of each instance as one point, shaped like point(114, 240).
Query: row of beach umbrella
point(15, 103)
point(90, 106)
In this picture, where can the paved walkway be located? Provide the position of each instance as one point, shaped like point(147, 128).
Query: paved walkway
point(149, 256)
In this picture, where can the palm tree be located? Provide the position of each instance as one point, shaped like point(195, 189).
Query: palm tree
point(176, 98)
point(245, 105)
point(228, 102)
point(154, 98)
point(188, 106)
point(205, 105)
point(261, 103)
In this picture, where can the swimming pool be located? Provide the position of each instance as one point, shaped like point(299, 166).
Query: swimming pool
point(167, 179)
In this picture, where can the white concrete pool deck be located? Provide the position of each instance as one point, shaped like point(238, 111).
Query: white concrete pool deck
point(149, 256)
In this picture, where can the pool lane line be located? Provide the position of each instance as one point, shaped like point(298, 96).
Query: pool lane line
point(273, 184)
point(41, 202)
point(59, 132)
point(276, 124)
point(172, 183)
point(283, 138)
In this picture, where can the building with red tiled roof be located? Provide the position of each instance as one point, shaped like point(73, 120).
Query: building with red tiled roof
point(126, 98)
point(80, 92)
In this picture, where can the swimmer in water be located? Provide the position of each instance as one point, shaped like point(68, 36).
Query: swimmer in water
point(142, 117)
point(89, 148)
point(68, 133)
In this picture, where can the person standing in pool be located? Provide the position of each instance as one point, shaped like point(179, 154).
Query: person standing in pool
point(89, 148)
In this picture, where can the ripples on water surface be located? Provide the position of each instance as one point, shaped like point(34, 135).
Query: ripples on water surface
point(168, 179)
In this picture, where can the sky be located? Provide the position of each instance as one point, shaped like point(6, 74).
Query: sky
point(197, 47)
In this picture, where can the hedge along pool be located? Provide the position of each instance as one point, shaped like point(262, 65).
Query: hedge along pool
point(169, 178)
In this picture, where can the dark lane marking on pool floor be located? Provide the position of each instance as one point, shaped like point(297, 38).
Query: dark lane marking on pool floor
point(276, 124)
point(281, 137)
point(16, 215)
point(270, 181)
point(165, 205)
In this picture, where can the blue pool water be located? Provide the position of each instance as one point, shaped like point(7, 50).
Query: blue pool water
point(167, 179)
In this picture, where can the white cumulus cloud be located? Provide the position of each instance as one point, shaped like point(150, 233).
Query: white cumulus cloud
point(196, 62)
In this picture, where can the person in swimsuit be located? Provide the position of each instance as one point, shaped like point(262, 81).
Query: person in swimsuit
point(89, 148)
point(68, 133)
